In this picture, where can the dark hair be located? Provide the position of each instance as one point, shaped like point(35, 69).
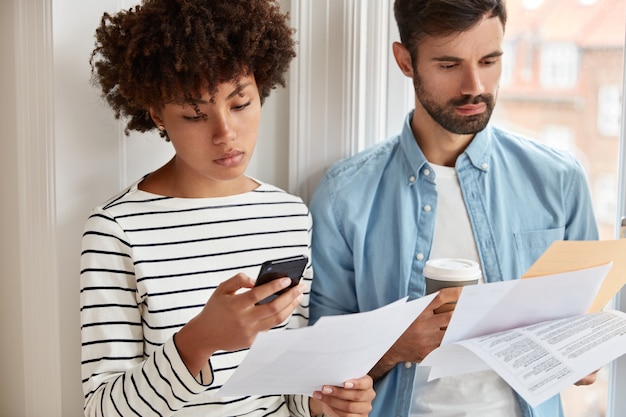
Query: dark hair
point(166, 51)
point(419, 18)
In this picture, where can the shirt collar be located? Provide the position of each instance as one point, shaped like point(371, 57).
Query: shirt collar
point(477, 151)
point(415, 158)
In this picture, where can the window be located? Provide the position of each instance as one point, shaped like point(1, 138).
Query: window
point(562, 85)
point(573, 101)
point(560, 137)
point(532, 4)
point(566, 52)
point(508, 64)
point(609, 110)
point(606, 199)
point(559, 65)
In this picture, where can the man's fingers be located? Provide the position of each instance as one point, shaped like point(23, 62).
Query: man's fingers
point(589, 379)
point(446, 295)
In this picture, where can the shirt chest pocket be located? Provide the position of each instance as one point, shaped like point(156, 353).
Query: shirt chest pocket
point(531, 245)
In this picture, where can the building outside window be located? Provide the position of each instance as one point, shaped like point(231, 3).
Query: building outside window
point(572, 99)
point(609, 109)
point(559, 65)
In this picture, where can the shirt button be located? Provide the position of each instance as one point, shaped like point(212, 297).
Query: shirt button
point(419, 256)
point(427, 208)
point(484, 165)
point(408, 365)
point(426, 171)
point(412, 179)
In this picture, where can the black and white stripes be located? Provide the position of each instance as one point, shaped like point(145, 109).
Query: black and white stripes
point(148, 265)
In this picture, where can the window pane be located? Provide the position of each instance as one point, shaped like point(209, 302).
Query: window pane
point(584, 117)
point(609, 109)
point(564, 89)
point(559, 65)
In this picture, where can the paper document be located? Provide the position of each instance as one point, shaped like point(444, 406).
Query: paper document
point(335, 349)
point(490, 308)
point(538, 334)
point(540, 360)
point(570, 255)
point(533, 333)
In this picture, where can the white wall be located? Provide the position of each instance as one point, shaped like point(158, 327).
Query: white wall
point(62, 153)
point(343, 100)
point(11, 358)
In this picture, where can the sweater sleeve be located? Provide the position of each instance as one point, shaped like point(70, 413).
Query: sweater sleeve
point(118, 378)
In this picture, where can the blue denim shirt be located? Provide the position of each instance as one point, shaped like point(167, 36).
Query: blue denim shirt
point(374, 216)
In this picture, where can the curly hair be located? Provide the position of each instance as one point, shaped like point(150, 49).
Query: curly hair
point(166, 51)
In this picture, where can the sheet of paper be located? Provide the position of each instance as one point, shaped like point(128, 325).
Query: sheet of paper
point(335, 349)
point(540, 360)
point(570, 255)
point(490, 308)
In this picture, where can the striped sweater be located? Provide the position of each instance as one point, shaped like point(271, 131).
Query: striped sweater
point(149, 264)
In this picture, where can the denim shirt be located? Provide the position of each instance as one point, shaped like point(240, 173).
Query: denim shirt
point(374, 216)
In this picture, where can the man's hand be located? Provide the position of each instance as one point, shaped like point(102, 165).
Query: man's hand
point(589, 379)
point(423, 335)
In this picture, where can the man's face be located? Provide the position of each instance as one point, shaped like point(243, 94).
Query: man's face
point(456, 77)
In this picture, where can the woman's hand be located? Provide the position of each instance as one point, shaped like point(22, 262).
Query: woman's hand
point(354, 399)
point(231, 319)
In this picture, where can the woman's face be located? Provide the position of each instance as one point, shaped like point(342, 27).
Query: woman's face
point(214, 137)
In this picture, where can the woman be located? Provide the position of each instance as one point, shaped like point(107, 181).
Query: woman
point(197, 228)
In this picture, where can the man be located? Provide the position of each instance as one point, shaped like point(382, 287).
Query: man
point(449, 185)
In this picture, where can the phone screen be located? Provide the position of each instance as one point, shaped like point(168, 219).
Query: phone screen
point(292, 267)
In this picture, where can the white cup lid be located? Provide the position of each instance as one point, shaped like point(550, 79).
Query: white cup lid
point(452, 269)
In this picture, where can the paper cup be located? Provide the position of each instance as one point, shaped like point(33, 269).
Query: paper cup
point(450, 272)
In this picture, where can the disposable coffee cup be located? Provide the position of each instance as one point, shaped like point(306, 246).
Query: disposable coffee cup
point(450, 272)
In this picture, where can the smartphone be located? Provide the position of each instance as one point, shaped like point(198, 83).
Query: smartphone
point(292, 267)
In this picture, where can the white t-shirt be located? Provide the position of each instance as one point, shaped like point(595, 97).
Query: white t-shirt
point(478, 394)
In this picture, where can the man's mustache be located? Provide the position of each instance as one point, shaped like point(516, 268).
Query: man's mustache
point(465, 100)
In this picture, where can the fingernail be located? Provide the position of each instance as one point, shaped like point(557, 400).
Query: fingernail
point(327, 390)
point(348, 385)
point(285, 282)
point(317, 395)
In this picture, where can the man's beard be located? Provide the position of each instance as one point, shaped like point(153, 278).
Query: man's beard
point(447, 117)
